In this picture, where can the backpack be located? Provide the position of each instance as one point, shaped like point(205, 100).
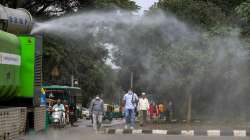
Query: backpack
point(134, 101)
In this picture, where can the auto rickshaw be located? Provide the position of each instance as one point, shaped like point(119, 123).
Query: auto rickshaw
point(108, 112)
point(70, 94)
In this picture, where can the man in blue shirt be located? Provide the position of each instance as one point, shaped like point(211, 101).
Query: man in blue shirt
point(130, 100)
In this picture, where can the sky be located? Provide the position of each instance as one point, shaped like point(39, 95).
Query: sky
point(144, 4)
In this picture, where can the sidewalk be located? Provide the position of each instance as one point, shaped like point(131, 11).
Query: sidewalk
point(215, 133)
point(197, 125)
point(84, 128)
point(193, 129)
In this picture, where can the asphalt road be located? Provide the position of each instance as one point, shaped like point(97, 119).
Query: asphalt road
point(85, 132)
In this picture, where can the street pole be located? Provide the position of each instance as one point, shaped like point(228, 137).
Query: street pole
point(131, 80)
point(72, 80)
point(189, 109)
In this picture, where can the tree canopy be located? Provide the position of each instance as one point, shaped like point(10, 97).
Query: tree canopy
point(41, 8)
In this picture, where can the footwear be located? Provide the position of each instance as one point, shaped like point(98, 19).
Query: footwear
point(73, 125)
point(126, 127)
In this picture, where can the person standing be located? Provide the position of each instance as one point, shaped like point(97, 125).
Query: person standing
point(66, 106)
point(170, 110)
point(151, 111)
point(72, 115)
point(130, 101)
point(161, 111)
point(97, 111)
point(155, 110)
point(143, 106)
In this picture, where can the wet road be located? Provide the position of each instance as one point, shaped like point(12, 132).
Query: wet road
point(85, 132)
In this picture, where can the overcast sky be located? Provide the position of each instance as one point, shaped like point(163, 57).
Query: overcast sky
point(145, 4)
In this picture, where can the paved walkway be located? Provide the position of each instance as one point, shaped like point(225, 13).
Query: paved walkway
point(85, 132)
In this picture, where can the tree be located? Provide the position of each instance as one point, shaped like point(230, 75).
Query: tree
point(194, 11)
point(227, 6)
point(243, 12)
point(197, 70)
point(112, 4)
point(41, 8)
point(87, 63)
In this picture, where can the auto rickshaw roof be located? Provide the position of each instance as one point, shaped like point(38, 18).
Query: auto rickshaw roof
point(59, 87)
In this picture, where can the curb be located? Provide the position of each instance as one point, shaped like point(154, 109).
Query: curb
point(216, 133)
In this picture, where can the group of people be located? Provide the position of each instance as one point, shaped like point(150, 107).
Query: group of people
point(161, 111)
point(133, 104)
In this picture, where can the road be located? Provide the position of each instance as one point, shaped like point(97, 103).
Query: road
point(85, 132)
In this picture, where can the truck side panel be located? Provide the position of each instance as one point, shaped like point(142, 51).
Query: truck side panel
point(27, 66)
point(9, 66)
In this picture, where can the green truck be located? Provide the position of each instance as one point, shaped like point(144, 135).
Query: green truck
point(21, 109)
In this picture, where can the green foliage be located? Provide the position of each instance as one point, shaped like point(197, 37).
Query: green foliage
point(64, 57)
point(86, 63)
point(197, 12)
point(111, 4)
point(170, 62)
point(47, 8)
point(226, 5)
point(244, 10)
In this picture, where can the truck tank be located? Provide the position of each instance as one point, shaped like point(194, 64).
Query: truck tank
point(10, 62)
point(16, 21)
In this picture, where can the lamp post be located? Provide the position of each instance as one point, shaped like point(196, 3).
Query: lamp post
point(131, 80)
point(74, 81)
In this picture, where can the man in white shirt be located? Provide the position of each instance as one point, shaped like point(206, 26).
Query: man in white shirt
point(143, 106)
point(60, 107)
point(130, 101)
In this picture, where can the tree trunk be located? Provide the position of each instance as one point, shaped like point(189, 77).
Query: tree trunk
point(189, 109)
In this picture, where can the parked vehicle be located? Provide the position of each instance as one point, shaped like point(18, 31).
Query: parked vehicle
point(71, 94)
point(109, 110)
point(79, 111)
point(117, 112)
point(86, 113)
